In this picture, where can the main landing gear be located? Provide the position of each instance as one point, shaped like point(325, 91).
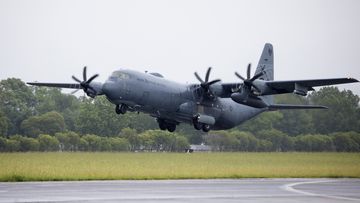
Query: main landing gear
point(121, 109)
point(201, 126)
point(163, 125)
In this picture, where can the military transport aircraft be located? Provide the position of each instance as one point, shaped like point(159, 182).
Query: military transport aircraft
point(207, 105)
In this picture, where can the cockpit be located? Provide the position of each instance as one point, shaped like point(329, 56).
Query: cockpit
point(119, 75)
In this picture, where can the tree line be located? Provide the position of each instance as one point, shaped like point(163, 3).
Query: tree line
point(163, 141)
point(34, 112)
point(128, 140)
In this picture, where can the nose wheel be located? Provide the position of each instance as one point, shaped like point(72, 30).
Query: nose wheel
point(121, 109)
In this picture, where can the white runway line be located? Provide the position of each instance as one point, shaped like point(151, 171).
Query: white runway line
point(289, 188)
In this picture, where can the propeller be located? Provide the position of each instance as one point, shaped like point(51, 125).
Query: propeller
point(85, 84)
point(205, 85)
point(248, 82)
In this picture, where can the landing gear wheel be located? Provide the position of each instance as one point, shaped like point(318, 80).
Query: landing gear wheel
point(121, 109)
point(171, 127)
point(162, 125)
point(198, 126)
point(206, 128)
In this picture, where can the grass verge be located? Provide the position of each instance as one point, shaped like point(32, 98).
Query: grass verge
point(143, 166)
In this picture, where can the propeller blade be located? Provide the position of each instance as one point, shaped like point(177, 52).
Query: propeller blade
point(73, 92)
point(213, 82)
point(92, 78)
point(77, 80)
point(207, 74)
point(239, 76)
point(257, 76)
point(248, 71)
point(198, 77)
point(84, 73)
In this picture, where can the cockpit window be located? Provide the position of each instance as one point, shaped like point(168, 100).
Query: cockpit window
point(119, 75)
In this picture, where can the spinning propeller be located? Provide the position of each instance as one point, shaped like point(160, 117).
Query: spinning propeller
point(85, 84)
point(248, 82)
point(205, 85)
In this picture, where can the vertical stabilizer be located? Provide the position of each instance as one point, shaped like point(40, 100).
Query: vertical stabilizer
point(266, 65)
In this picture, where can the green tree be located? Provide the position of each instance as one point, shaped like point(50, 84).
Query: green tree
point(12, 145)
point(158, 140)
point(312, 143)
point(132, 136)
point(4, 123)
point(83, 145)
point(147, 141)
point(264, 121)
point(247, 141)
point(26, 143)
point(294, 122)
point(105, 144)
point(16, 102)
point(344, 143)
point(343, 113)
point(51, 99)
point(69, 141)
point(49, 123)
point(265, 146)
point(97, 116)
point(93, 141)
point(119, 144)
point(48, 143)
point(280, 141)
point(181, 143)
point(193, 136)
point(3, 142)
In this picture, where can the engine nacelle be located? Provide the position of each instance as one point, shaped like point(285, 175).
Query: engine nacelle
point(300, 90)
point(248, 100)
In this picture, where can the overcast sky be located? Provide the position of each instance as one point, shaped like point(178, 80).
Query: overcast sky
point(50, 40)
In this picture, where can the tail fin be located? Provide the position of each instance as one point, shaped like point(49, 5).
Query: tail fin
point(266, 65)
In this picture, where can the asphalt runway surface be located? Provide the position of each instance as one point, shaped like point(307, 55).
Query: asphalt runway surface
point(204, 191)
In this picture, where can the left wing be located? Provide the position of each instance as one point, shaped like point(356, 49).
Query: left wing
point(59, 85)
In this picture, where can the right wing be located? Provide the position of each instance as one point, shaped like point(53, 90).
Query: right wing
point(280, 87)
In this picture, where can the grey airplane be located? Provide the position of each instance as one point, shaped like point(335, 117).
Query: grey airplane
point(207, 105)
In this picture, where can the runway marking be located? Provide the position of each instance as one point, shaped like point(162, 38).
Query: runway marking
point(289, 188)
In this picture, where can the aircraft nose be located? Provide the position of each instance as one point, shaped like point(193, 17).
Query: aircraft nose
point(108, 88)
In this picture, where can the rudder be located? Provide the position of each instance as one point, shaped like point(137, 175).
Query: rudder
point(266, 63)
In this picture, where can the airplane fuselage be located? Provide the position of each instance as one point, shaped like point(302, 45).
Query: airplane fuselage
point(172, 102)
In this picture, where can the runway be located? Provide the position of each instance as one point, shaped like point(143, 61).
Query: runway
point(222, 190)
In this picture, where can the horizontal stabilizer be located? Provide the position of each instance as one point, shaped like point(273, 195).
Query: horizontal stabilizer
point(274, 107)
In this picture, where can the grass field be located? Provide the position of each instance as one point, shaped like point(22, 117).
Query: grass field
point(116, 166)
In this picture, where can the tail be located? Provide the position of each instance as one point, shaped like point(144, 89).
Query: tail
point(266, 65)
